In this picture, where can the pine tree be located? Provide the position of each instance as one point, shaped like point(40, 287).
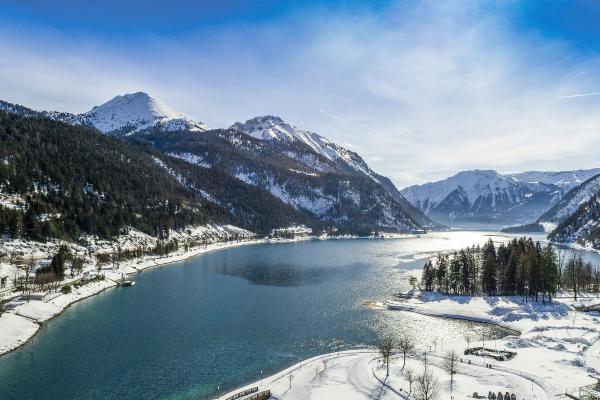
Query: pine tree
point(489, 268)
point(441, 273)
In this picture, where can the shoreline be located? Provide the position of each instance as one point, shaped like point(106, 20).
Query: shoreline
point(263, 383)
point(129, 268)
point(432, 313)
point(25, 334)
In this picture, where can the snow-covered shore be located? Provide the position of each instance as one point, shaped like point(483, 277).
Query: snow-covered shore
point(556, 352)
point(20, 324)
point(558, 346)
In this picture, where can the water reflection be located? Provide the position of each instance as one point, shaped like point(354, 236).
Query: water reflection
point(279, 275)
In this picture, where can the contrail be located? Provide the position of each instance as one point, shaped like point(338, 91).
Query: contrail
point(332, 115)
point(578, 95)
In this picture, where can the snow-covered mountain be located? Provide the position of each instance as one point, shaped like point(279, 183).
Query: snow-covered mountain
point(321, 155)
point(318, 179)
point(123, 115)
point(569, 204)
point(576, 218)
point(137, 112)
point(275, 130)
point(472, 198)
point(565, 180)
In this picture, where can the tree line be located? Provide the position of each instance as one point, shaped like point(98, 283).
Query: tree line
point(521, 267)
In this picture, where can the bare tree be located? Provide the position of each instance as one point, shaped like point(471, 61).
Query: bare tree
point(27, 267)
point(405, 344)
point(13, 258)
point(386, 348)
point(76, 265)
point(450, 365)
point(411, 378)
point(325, 361)
point(561, 262)
point(44, 279)
point(428, 387)
point(468, 338)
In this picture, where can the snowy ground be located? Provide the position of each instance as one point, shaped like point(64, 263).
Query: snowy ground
point(358, 374)
point(557, 350)
point(557, 344)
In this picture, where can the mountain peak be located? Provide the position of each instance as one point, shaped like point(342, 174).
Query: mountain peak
point(269, 127)
point(139, 111)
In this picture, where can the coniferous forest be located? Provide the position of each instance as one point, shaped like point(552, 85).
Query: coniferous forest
point(521, 267)
point(72, 180)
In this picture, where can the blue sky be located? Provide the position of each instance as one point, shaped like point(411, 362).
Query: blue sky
point(422, 90)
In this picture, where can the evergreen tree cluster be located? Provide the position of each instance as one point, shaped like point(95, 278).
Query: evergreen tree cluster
point(73, 180)
point(521, 267)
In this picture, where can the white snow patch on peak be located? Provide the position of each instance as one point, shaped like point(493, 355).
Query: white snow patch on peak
point(274, 128)
point(567, 180)
point(138, 111)
point(271, 128)
point(473, 184)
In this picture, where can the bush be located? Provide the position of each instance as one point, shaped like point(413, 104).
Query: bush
point(498, 355)
point(66, 289)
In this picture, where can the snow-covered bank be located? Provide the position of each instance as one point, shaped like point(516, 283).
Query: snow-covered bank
point(556, 352)
point(358, 374)
point(558, 346)
point(21, 323)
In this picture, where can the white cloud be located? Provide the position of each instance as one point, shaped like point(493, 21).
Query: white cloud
point(423, 90)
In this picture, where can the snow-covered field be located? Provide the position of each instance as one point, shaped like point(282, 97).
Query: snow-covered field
point(557, 350)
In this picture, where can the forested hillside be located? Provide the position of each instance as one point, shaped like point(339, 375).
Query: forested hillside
point(62, 181)
point(295, 174)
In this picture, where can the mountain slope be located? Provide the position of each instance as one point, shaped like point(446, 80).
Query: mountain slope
point(294, 173)
point(323, 156)
point(569, 204)
point(582, 226)
point(470, 198)
point(319, 181)
point(63, 181)
point(563, 209)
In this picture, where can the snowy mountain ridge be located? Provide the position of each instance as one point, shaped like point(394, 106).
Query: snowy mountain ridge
point(486, 196)
point(136, 112)
point(566, 180)
point(274, 129)
point(570, 203)
point(122, 115)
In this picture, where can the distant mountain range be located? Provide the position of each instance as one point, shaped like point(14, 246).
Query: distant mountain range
point(260, 175)
point(135, 162)
point(486, 198)
point(575, 219)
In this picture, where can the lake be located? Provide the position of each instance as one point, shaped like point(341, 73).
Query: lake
point(197, 328)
